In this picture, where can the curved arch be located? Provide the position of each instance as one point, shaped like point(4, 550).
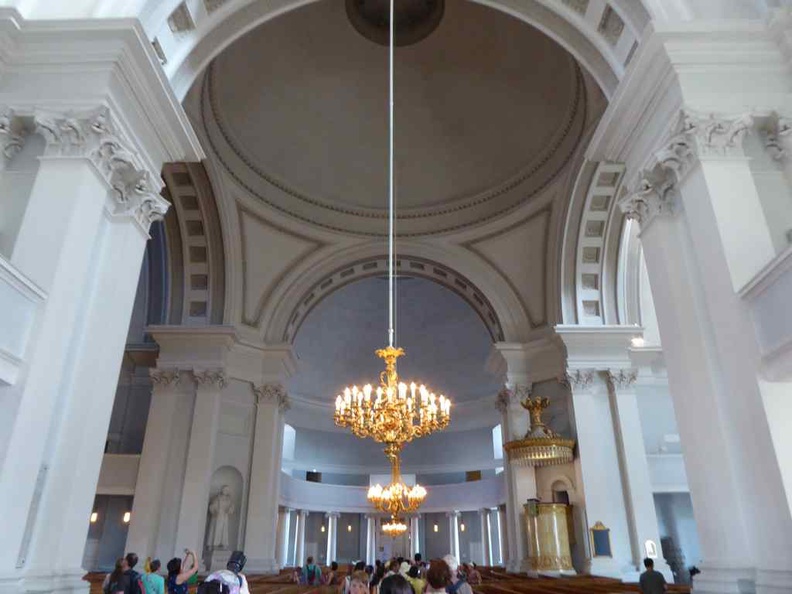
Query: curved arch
point(582, 37)
point(465, 273)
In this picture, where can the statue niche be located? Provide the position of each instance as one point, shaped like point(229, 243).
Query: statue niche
point(221, 508)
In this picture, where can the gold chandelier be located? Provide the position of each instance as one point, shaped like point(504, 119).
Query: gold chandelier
point(395, 412)
point(541, 446)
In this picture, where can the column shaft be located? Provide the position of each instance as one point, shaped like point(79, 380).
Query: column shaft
point(284, 524)
point(371, 540)
point(453, 533)
point(486, 546)
point(265, 481)
point(200, 460)
point(415, 546)
point(299, 540)
point(332, 536)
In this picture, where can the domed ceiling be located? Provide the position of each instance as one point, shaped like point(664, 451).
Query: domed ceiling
point(488, 112)
point(447, 344)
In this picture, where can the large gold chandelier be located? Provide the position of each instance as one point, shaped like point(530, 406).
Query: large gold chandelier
point(395, 412)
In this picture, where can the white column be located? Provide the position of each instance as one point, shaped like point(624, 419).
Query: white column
point(284, 524)
point(486, 542)
point(152, 470)
point(453, 533)
point(599, 470)
point(693, 221)
point(262, 516)
point(332, 535)
point(82, 242)
point(637, 483)
point(371, 539)
point(415, 545)
point(299, 539)
point(200, 459)
point(502, 541)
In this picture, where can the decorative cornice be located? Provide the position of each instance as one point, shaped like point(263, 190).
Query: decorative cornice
point(272, 393)
point(165, 377)
point(579, 379)
point(90, 134)
point(621, 379)
point(210, 378)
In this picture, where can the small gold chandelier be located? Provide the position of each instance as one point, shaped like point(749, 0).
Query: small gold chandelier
point(541, 446)
point(397, 497)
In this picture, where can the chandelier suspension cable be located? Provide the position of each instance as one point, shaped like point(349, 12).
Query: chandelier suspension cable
point(391, 328)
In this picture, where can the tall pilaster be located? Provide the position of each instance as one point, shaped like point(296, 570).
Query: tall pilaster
point(698, 210)
point(299, 538)
point(637, 484)
point(503, 542)
point(200, 458)
point(332, 535)
point(282, 544)
point(371, 539)
point(415, 545)
point(271, 402)
point(486, 537)
point(453, 533)
point(158, 451)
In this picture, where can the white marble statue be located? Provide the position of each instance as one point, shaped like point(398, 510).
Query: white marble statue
point(221, 508)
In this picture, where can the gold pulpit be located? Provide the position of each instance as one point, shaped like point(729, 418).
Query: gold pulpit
point(548, 537)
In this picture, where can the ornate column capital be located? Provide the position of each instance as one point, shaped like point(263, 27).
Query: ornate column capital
point(621, 379)
point(91, 134)
point(333, 514)
point(304, 513)
point(272, 393)
point(509, 396)
point(210, 378)
point(775, 131)
point(453, 514)
point(579, 380)
point(164, 377)
point(694, 136)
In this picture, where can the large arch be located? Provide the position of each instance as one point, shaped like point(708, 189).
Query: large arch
point(602, 39)
point(487, 292)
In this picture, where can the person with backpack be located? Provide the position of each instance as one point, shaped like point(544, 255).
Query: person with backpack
point(458, 584)
point(230, 580)
point(311, 574)
point(179, 573)
point(131, 581)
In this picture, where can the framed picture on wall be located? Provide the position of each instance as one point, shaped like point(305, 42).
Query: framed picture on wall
point(600, 540)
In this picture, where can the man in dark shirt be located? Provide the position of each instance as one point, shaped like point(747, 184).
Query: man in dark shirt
point(130, 580)
point(652, 582)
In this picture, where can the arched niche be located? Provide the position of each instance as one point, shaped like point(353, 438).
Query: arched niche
point(231, 477)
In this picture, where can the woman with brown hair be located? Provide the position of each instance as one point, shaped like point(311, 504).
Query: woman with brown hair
point(438, 577)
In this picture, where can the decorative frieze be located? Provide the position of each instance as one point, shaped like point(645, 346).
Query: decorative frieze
point(272, 393)
point(621, 379)
point(90, 134)
point(164, 377)
point(210, 378)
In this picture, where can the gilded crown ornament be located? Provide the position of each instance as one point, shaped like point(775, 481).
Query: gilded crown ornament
point(541, 446)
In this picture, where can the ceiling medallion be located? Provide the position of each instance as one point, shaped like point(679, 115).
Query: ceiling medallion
point(541, 446)
point(394, 413)
point(414, 20)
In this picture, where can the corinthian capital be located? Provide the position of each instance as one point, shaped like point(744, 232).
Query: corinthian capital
point(621, 379)
point(655, 195)
point(717, 135)
point(12, 136)
point(579, 379)
point(210, 378)
point(775, 130)
point(508, 396)
point(93, 135)
point(272, 393)
point(164, 377)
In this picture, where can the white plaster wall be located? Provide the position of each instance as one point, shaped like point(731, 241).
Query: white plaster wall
point(118, 474)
